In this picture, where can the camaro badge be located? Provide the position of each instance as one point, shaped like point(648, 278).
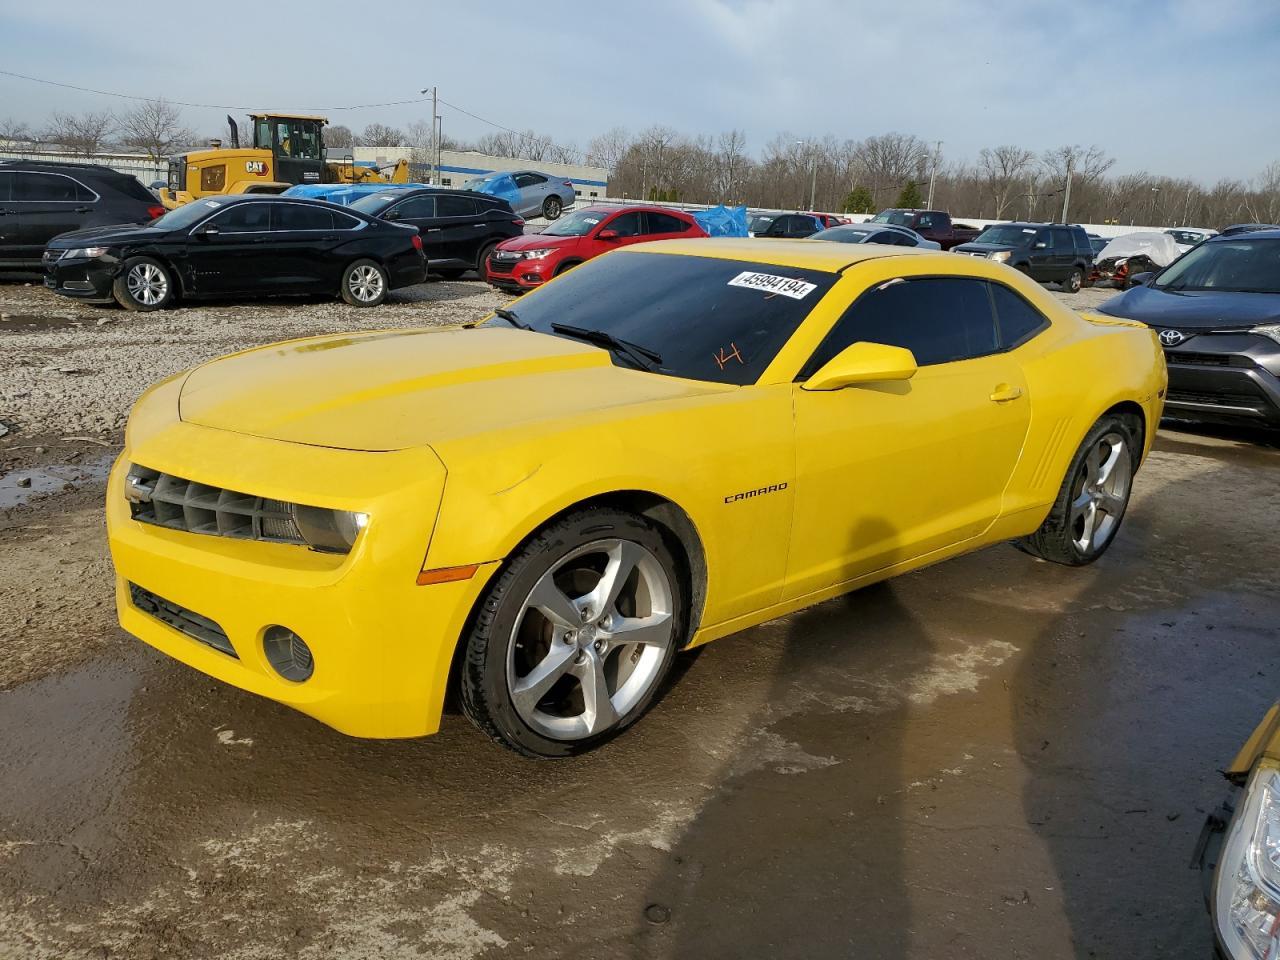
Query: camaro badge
point(748, 494)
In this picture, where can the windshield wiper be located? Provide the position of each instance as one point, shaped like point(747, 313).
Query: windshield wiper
point(642, 357)
point(511, 318)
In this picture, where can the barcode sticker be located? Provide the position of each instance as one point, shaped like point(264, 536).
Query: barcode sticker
point(770, 283)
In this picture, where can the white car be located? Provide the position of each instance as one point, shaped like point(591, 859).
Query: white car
point(886, 233)
point(1188, 237)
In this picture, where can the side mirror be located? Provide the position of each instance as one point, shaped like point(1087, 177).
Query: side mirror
point(607, 235)
point(863, 363)
point(1141, 279)
point(1039, 245)
point(208, 230)
point(391, 215)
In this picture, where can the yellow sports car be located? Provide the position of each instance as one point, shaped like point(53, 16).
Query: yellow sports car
point(666, 445)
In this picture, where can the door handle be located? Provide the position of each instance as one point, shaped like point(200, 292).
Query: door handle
point(84, 210)
point(433, 229)
point(1005, 392)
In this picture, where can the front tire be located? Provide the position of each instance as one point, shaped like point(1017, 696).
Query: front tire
point(143, 285)
point(1091, 503)
point(1074, 281)
point(572, 642)
point(551, 208)
point(364, 283)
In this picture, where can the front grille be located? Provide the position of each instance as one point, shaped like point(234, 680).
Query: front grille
point(181, 619)
point(1207, 359)
point(179, 504)
point(1216, 399)
point(52, 256)
point(499, 266)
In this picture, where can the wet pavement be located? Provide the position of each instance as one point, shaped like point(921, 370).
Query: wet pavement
point(994, 757)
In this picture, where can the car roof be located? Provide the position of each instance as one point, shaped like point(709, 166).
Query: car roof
point(616, 207)
point(231, 199)
point(811, 254)
point(61, 166)
point(1272, 234)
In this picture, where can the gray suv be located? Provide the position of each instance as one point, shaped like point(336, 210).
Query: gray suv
point(1046, 252)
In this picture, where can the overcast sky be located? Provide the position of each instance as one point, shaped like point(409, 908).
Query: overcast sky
point(1178, 87)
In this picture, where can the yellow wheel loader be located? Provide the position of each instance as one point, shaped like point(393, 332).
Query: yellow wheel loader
point(287, 149)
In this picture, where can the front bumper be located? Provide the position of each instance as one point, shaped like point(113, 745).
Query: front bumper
point(1224, 378)
point(519, 276)
point(382, 645)
point(81, 279)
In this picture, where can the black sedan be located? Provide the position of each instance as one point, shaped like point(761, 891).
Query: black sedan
point(1216, 310)
point(237, 245)
point(459, 228)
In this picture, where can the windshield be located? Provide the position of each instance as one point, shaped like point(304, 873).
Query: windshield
point(1007, 235)
point(188, 215)
point(1238, 265)
point(844, 234)
point(708, 319)
point(899, 218)
point(1185, 236)
point(761, 224)
point(477, 182)
point(374, 203)
point(576, 224)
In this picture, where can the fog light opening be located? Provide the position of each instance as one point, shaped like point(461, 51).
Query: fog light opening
point(288, 654)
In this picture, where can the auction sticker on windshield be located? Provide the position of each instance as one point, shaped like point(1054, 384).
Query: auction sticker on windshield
point(770, 283)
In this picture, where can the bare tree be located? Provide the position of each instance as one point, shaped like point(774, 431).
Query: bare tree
point(84, 133)
point(730, 162)
point(15, 130)
point(608, 149)
point(1003, 170)
point(380, 135)
point(889, 161)
point(155, 126)
point(1087, 164)
point(340, 137)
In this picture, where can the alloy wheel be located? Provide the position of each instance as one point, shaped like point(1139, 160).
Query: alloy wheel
point(1100, 493)
point(590, 640)
point(365, 283)
point(147, 284)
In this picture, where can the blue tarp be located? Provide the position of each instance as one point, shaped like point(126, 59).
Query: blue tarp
point(500, 185)
point(723, 221)
point(346, 193)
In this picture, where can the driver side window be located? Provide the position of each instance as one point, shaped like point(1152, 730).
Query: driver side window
point(244, 218)
point(626, 224)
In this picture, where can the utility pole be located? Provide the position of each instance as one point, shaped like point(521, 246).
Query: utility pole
point(933, 173)
point(1066, 197)
point(434, 164)
point(439, 131)
point(813, 177)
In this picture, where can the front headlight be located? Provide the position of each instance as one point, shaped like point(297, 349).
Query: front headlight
point(324, 529)
point(84, 253)
point(1271, 330)
point(1000, 256)
point(1247, 898)
point(539, 254)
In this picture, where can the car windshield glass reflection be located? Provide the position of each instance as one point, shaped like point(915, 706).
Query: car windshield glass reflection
point(188, 214)
point(1239, 266)
point(577, 224)
point(844, 235)
point(897, 217)
point(707, 318)
point(375, 203)
point(1008, 236)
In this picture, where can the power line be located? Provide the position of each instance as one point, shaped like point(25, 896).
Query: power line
point(185, 103)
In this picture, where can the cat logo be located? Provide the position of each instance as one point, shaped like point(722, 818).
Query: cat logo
point(256, 166)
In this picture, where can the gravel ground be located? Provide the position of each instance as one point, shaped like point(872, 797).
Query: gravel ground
point(73, 369)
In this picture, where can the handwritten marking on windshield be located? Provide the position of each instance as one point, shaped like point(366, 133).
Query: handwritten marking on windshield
point(723, 358)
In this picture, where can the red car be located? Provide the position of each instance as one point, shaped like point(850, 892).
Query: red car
point(525, 262)
point(829, 220)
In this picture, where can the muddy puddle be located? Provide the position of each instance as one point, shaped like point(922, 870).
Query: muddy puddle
point(29, 322)
point(20, 486)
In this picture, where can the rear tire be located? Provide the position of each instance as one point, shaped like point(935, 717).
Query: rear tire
point(551, 208)
point(143, 285)
point(547, 671)
point(485, 253)
point(364, 283)
point(1094, 496)
point(1074, 281)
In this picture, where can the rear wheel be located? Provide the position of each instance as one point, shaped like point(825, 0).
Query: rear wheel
point(573, 641)
point(1093, 498)
point(1074, 281)
point(364, 283)
point(551, 208)
point(485, 253)
point(144, 284)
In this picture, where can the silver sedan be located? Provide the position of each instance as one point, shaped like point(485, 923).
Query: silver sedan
point(885, 233)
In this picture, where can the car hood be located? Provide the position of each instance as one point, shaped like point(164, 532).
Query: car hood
point(117, 233)
point(1215, 309)
point(536, 241)
point(410, 388)
point(972, 247)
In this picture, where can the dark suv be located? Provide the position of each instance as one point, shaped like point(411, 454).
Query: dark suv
point(459, 228)
point(1046, 252)
point(39, 200)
